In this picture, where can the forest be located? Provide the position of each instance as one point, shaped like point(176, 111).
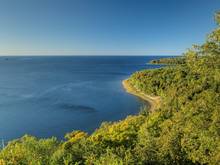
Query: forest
point(184, 130)
point(169, 61)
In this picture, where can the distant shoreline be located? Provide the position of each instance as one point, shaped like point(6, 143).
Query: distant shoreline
point(154, 101)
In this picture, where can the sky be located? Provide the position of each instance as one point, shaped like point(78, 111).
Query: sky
point(104, 27)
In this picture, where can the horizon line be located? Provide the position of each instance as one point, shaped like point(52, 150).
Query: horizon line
point(22, 55)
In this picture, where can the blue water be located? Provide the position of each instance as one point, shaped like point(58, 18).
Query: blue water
point(50, 96)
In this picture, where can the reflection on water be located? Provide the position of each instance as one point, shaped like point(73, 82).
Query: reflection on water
point(79, 108)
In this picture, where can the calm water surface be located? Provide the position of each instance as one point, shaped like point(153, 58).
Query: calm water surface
point(50, 96)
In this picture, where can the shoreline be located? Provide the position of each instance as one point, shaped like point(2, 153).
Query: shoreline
point(154, 101)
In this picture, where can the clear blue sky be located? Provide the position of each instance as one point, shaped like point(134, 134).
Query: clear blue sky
point(103, 27)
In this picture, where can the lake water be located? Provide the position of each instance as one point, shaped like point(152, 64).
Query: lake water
point(50, 96)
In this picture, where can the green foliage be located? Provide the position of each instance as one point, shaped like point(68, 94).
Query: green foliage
point(184, 130)
point(123, 133)
point(29, 150)
point(170, 61)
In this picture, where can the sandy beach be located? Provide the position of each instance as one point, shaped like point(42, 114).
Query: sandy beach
point(154, 101)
